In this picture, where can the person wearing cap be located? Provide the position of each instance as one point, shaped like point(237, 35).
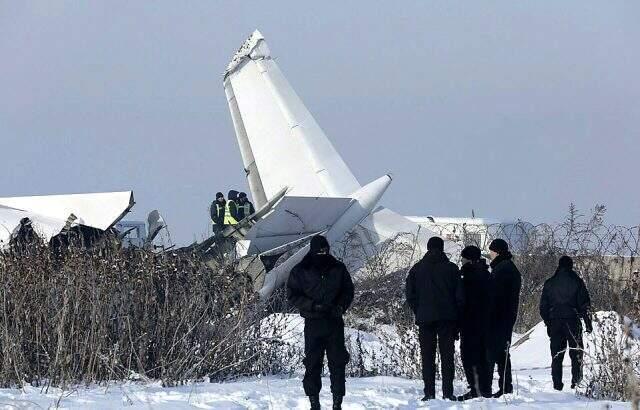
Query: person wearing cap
point(474, 323)
point(217, 212)
point(434, 293)
point(320, 287)
point(565, 300)
point(245, 207)
point(505, 285)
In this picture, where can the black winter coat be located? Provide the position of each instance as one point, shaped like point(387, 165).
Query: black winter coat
point(475, 277)
point(564, 296)
point(505, 283)
point(232, 199)
point(434, 289)
point(320, 280)
point(244, 209)
point(217, 212)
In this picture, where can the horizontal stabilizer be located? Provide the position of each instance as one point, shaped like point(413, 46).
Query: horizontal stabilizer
point(294, 218)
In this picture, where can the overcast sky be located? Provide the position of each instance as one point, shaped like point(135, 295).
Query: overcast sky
point(513, 109)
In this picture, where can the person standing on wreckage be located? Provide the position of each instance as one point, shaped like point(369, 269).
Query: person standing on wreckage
point(320, 287)
point(505, 283)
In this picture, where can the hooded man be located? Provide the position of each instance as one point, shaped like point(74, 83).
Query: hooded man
point(320, 287)
point(245, 207)
point(231, 211)
point(505, 296)
point(434, 293)
point(565, 300)
point(474, 323)
point(217, 211)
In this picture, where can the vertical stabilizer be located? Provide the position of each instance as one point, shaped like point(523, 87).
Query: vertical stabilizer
point(280, 141)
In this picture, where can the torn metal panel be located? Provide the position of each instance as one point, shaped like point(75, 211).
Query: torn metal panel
point(10, 219)
point(97, 210)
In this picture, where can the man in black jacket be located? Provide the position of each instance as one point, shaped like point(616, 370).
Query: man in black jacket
point(434, 293)
point(216, 211)
point(474, 323)
point(245, 207)
point(321, 288)
point(565, 300)
point(505, 295)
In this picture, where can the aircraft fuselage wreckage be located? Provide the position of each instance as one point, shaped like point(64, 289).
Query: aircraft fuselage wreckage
point(53, 217)
point(300, 184)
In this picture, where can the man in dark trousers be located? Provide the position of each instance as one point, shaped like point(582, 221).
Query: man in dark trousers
point(434, 293)
point(245, 207)
point(321, 288)
point(505, 286)
point(565, 300)
point(474, 323)
point(216, 211)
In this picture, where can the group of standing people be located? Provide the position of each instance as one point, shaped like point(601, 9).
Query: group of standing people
point(230, 211)
point(476, 303)
point(470, 303)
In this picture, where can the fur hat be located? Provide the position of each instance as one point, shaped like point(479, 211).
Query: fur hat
point(472, 253)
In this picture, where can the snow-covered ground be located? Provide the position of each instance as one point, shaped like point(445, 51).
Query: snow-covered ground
point(533, 388)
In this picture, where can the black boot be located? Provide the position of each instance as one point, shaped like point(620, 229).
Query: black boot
point(501, 392)
point(471, 394)
point(337, 402)
point(315, 402)
point(428, 397)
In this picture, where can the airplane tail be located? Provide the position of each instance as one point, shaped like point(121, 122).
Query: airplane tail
point(282, 146)
point(280, 142)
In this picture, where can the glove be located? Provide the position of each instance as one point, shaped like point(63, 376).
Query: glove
point(320, 307)
point(588, 326)
point(337, 311)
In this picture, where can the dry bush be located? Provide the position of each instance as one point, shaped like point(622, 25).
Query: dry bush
point(106, 313)
point(612, 361)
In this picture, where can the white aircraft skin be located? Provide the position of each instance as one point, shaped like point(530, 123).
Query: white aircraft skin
point(282, 146)
point(49, 214)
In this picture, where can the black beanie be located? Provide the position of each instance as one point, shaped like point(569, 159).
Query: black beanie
point(471, 253)
point(219, 195)
point(242, 195)
point(318, 243)
point(565, 262)
point(499, 246)
point(435, 243)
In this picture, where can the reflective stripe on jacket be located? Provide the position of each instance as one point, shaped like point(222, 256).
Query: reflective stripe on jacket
point(217, 213)
point(228, 217)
